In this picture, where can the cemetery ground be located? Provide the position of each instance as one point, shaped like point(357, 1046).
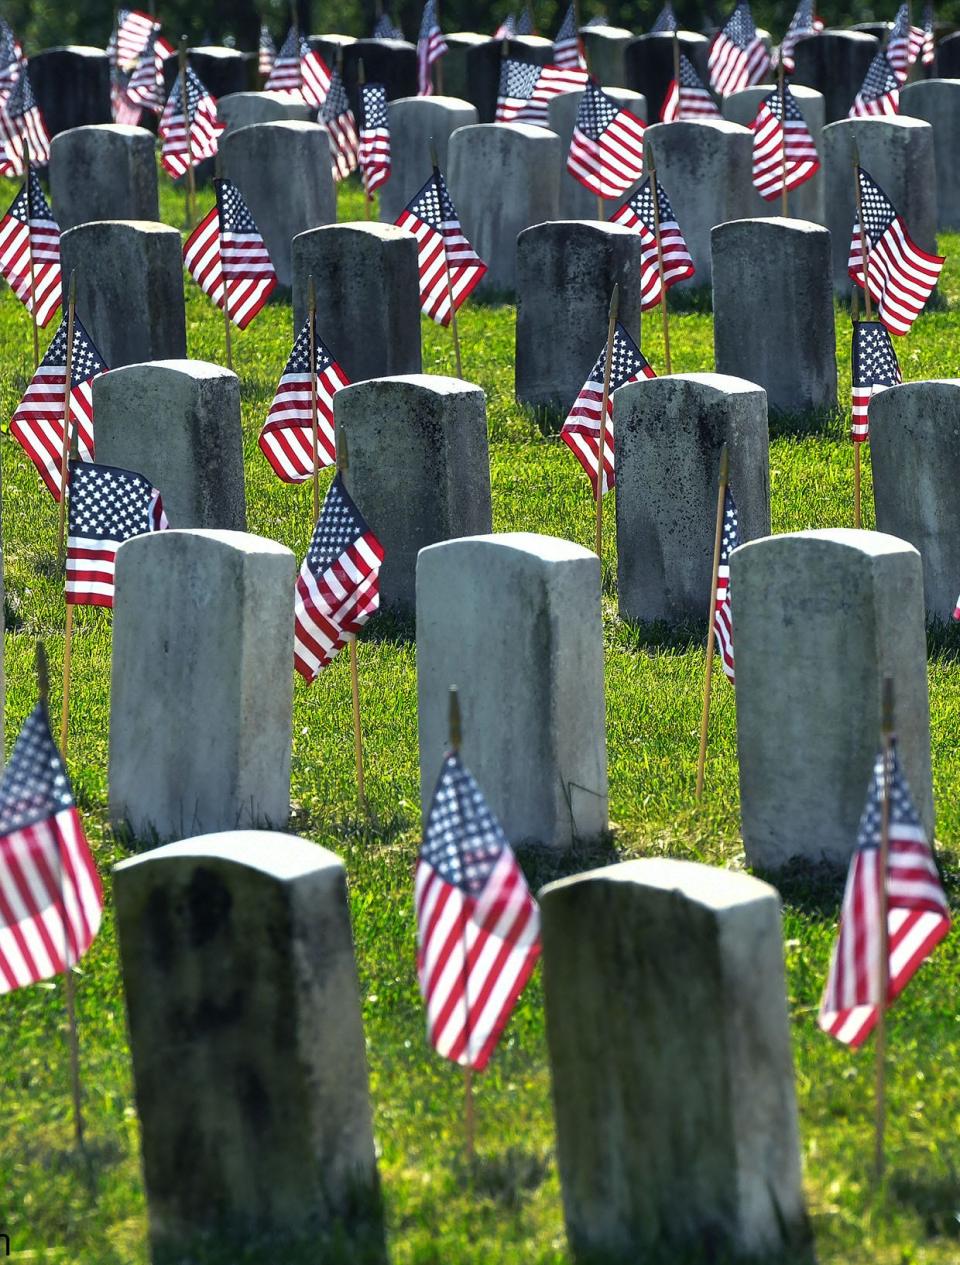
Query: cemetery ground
point(57, 1207)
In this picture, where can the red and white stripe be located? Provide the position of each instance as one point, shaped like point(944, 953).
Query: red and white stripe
point(551, 82)
point(429, 50)
point(344, 145)
point(683, 104)
point(36, 245)
point(884, 106)
point(901, 275)
point(723, 622)
point(315, 78)
point(204, 136)
point(286, 439)
point(330, 611)
point(374, 157)
point(581, 431)
point(131, 37)
point(91, 563)
point(609, 167)
point(733, 68)
point(37, 425)
point(204, 254)
point(436, 251)
point(677, 263)
point(781, 151)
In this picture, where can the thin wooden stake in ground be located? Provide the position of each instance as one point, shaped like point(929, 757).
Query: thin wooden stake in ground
point(184, 105)
point(67, 655)
point(655, 198)
point(884, 973)
point(33, 277)
point(865, 258)
point(446, 264)
point(67, 375)
point(312, 318)
point(602, 437)
point(469, 1130)
point(342, 463)
point(783, 137)
point(708, 671)
point(676, 72)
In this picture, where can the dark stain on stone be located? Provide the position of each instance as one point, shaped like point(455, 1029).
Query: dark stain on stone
point(209, 904)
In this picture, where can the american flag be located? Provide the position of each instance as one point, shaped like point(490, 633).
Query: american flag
point(145, 89)
point(781, 149)
point(689, 100)
point(478, 927)
point(507, 29)
point(905, 43)
point(880, 91)
point(525, 90)
point(106, 507)
point(11, 58)
point(566, 44)
point(50, 894)
point(803, 23)
point(677, 265)
point(37, 423)
point(300, 70)
point(133, 30)
point(956, 610)
point(442, 250)
point(901, 275)
point(917, 914)
point(581, 431)
point(122, 109)
point(386, 29)
point(286, 439)
point(929, 54)
point(525, 22)
point(337, 117)
point(431, 46)
point(30, 234)
point(227, 244)
point(20, 120)
point(374, 136)
point(738, 56)
point(338, 588)
point(204, 126)
point(666, 21)
point(875, 368)
point(722, 617)
point(606, 149)
point(266, 52)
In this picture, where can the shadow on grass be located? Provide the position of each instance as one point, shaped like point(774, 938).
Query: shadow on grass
point(829, 423)
point(390, 629)
point(505, 1178)
point(935, 1200)
point(810, 886)
point(943, 641)
point(542, 865)
point(690, 634)
point(696, 299)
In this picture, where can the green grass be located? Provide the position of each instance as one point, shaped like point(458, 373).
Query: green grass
point(56, 1209)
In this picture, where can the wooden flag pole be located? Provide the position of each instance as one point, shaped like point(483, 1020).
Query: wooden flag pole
point(361, 80)
point(783, 137)
point(655, 199)
point(67, 654)
point(342, 464)
point(314, 414)
point(883, 987)
point(711, 641)
point(469, 1128)
point(602, 437)
point(865, 258)
point(67, 374)
point(446, 263)
point(188, 143)
point(438, 64)
point(676, 72)
point(33, 275)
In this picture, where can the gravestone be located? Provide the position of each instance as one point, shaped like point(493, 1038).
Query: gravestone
point(788, 348)
point(706, 166)
point(806, 201)
point(283, 172)
point(937, 102)
point(566, 271)
point(390, 62)
point(248, 1049)
point(668, 436)
point(414, 123)
point(513, 621)
point(576, 200)
point(835, 63)
point(368, 296)
point(604, 48)
point(330, 46)
point(177, 422)
point(103, 171)
point(819, 619)
point(202, 620)
point(948, 57)
point(667, 1141)
point(527, 161)
point(430, 433)
point(898, 154)
point(129, 288)
point(648, 64)
point(222, 71)
point(72, 86)
point(456, 80)
point(915, 458)
point(242, 109)
point(484, 63)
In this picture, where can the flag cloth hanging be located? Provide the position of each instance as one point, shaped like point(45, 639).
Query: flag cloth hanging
point(803, 23)
point(106, 506)
point(226, 246)
point(581, 430)
point(781, 146)
point(145, 90)
point(266, 52)
point(374, 152)
point(188, 142)
point(874, 369)
point(37, 424)
point(566, 45)
point(606, 149)
point(431, 46)
point(689, 99)
point(20, 120)
point(338, 587)
point(525, 24)
point(11, 58)
point(525, 90)
point(902, 276)
point(905, 43)
point(738, 56)
point(478, 927)
point(666, 21)
point(300, 70)
point(722, 617)
point(929, 52)
point(637, 213)
point(917, 914)
point(879, 93)
point(28, 232)
point(286, 439)
point(432, 218)
point(50, 894)
point(122, 109)
point(386, 29)
point(132, 32)
point(337, 117)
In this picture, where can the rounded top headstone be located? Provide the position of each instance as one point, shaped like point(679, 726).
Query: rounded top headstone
point(874, 544)
point(889, 123)
point(508, 131)
point(582, 228)
point(280, 856)
point(603, 29)
point(832, 32)
point(435, 383)
point(103, 129)
point(445, 103)
point(706, 885)
point(769, 224)
point(199, 541)
point(382, 232)
point(183, 367)
point(78, 50)
point(290, 126)
point(133, 226)
point(522, 544)
point(216, 50)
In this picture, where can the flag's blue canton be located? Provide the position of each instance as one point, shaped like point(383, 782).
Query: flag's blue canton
point(429, 22)
point(373, 97)
point(8, 46)
point(463, 840)
point(525, 22)
point(878, 211)
point(667, 21)
point(518, 79)
point(688, 75)
point(433, 204)
point(195, 90)
point(386, 29)
point(21, 98)
point(740, 27)
point(337, 102)
point(568, 27)
point(299, 361)
point(901, 809)
point(35, 785)
point(772, 102)
point(107, 503)
point(642, 204)
point(597, 111)
point(235, 215)
point(731, 528)
point(19, 208)
point(880, 78)
point(625, 362)
point(901, 24)
point(86, 360)
point(340, 524)
point(290, 48)
point(874, 360)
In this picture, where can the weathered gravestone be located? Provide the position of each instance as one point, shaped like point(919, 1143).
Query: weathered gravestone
point(415, 122)
point(390, 62)
point(819, 619)
point(72, 86)
point(484, 62)
point(203, 624)
point(787, 347)
point(368, 296)
point(648, 64)
point(428, 436)
point(221, 70)
point(283, 172)
point(604, 48)
point(243, 109)
point(566, 271)
point(937, 102)
point(513, 621)
point(948, 57)
point(456, 81)
point(669, 1044)
point(495, 208)
point(835, 63)
point(104, 171)
point(177, 422)
point(806, 201)
point(576, 200)
point(330, 46)
point(250, 1071)
point(668, 437)
point(129, 288)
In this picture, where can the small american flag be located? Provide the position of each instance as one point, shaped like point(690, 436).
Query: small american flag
point(781, 148)
point(386, 29)
point(738, 56)
point(286, 439)
point(226, 244)
point(21, 120)
point(443, 251)
point(11, 58)
point(803, 23)
point(606, 149)
point(666, 21)
point(132, 32)
point(285, 73)
point(337, 117)
point(875, 368)
point(266, 52)
point(917, 914)
point(478, 927)
point(106, 507)
point(722, 617)
point(374, 136)
point(526, 89)
point(122, 109)
point(901, 275)
point(880, 91)
point(30, 234)
point(566, 44)
point(905, 43)
point(507, 29)
point(431, 46)
point(689, 99)
point(581, 430)
point(525, 22)
point(300, 70)
point(37, 424)
point(145, 89)
point(929, 54)
point(677, 264)
point(338, 588)
point(203, 127)
point(50, 895)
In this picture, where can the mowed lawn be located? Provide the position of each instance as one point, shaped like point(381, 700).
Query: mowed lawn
point(56, 1208)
